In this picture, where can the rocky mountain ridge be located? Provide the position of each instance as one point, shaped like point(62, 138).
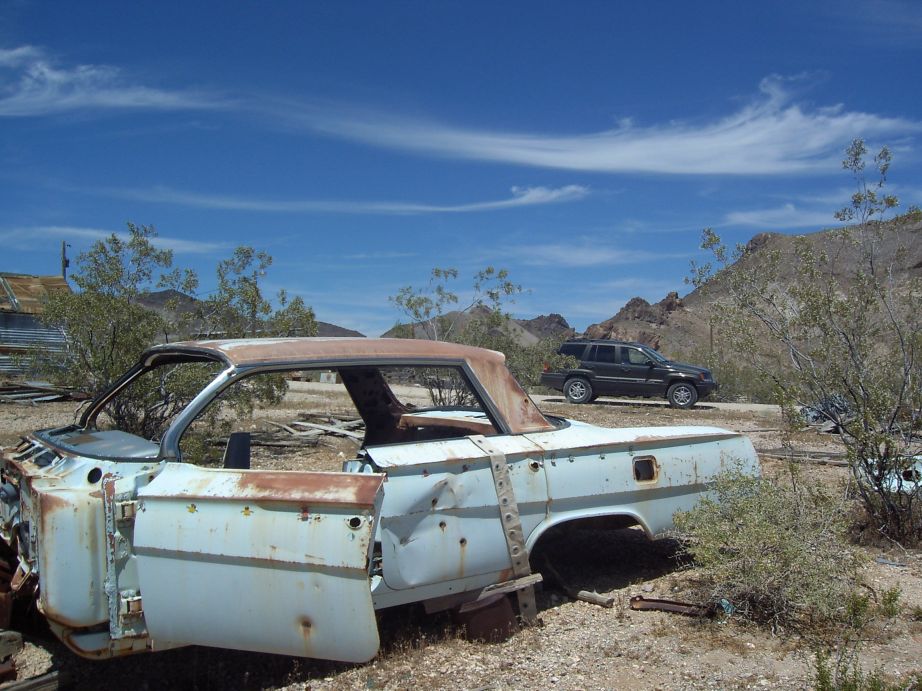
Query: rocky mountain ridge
point(680, 325)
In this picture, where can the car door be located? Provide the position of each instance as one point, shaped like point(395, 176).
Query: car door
point(274, 562)
point(604, 361)
point(642, 375)
point(441, 523)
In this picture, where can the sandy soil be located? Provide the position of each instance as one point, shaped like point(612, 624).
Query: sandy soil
point(577, 645)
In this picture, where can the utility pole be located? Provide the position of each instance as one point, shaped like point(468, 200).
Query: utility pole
point(65, 262)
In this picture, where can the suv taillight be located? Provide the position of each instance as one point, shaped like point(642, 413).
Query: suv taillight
point(547, 368)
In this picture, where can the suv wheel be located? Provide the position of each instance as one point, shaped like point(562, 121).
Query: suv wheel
point(577, 390)
point(682, 395)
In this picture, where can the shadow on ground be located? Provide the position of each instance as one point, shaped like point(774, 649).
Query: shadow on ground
point(598, 558)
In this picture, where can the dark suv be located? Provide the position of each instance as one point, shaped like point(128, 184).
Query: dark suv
point(627, 369)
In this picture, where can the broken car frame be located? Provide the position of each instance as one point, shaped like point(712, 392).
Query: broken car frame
point(129, 546)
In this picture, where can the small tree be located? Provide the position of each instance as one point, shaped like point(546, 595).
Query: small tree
point(427, 307)
point(846, 317)
point(486, 324)
point(107, 328)
point(429, 318)
point(237, 307)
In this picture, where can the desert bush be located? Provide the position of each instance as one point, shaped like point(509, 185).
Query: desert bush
point(844, 310)
point(526, 362)
point(774, 548)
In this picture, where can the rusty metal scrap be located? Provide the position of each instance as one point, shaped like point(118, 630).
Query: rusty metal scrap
point(639, 602)
point(589, 596)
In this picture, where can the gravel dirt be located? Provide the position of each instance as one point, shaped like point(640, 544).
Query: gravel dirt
point(576, 645)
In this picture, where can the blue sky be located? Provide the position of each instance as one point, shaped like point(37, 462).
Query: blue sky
point(583, 146)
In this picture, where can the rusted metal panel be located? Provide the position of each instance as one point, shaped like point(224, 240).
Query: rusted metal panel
point(311, 489)
point(232, 559)
point(70, 556)
point(520, 412)
point(257, 351)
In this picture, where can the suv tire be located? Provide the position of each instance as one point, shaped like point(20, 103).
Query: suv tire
point(682, 394)
point(577, 390)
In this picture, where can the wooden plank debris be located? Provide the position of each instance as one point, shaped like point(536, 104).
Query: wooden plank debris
point(834, 458)
point(332, 429)
point(32, 393)
point(307, 432)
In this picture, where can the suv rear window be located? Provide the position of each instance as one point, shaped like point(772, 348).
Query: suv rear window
point(574, 349)
point(603, 353)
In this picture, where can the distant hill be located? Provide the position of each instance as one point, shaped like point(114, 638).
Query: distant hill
point(548, 326)
point(159, 301)
point(329, 330)
point(639, 321)
point(526, 332)
point(680, 325)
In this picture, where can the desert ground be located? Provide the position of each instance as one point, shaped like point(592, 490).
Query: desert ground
point(576, 645)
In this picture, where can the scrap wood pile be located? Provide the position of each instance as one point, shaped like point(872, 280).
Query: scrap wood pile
point(836, 458)
point(308, 430)
point(32, 393)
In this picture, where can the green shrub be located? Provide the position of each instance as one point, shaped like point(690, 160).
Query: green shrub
point(846, 674)
point(776, 549)
point(890, 602)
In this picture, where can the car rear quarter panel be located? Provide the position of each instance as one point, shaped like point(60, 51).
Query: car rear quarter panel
point(591, 471)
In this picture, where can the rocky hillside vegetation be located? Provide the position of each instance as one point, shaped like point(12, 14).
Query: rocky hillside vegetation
point(683, 325)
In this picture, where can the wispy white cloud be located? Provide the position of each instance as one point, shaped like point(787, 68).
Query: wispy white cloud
point(14, 57)
point(519, 197)
point(29, 238)
point(784, 216)
point(381, 255)
point(770, 135)
point(579, 252)
point(31, 84)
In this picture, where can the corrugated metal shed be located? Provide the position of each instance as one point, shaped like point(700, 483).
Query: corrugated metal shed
point(21, 328)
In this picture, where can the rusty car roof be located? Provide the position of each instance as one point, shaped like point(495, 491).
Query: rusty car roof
point(266, 351)
point(489, 366)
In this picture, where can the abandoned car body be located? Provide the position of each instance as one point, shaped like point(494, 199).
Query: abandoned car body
point(130, 546)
